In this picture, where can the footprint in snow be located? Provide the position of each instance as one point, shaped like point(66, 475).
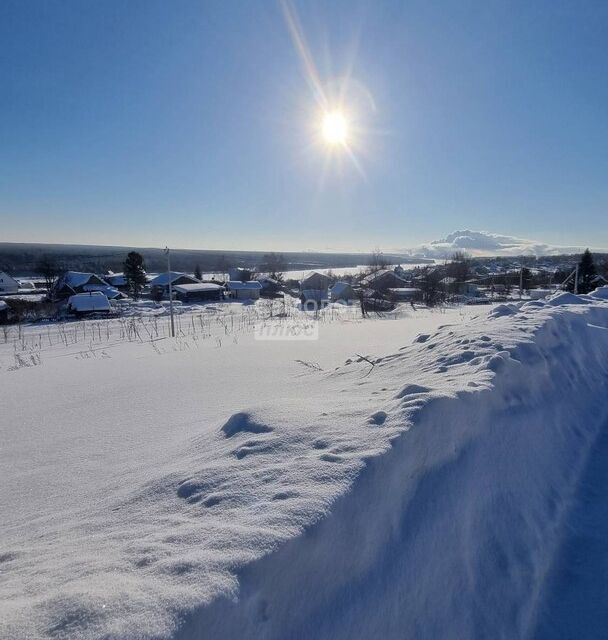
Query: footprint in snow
point(330, 457)
point(411, 389)
point(285, 495)
point(378, 418)
point(243, 423)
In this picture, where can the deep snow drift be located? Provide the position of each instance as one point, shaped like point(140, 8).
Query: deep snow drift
point(297, 490)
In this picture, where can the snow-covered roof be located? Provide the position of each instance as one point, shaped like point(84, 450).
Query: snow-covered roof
point(197, 286)
point(6, 277)
point(116, 279)
point(3, 305)
point(163, 279)
point(93, 301)
point(372, 278)
point(236, 285)
point(109, 292)
point(404, 290)
point(78, 278)
point(313, 274)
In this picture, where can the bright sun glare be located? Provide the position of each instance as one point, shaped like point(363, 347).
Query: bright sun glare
point(335, 128)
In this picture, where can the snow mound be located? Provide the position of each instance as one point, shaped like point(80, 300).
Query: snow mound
point(533, 304)
point(565, 298)
point(601, 293)
point(502, 310)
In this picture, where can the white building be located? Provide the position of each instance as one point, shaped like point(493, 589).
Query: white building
point(84, 303)
point(7, 283)
point(199, 292)
point(244, 290)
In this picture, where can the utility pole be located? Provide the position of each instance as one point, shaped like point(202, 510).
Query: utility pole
point(576, 280)
point(168, 254)
point(521, 282)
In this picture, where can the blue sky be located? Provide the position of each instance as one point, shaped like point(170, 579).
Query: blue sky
point(192, 123)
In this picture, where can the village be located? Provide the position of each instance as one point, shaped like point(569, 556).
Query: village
point(376, 288)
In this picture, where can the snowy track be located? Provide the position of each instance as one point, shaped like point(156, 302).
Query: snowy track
point(428, 496)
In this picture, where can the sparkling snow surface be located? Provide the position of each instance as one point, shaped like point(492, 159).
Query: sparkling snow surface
point(402, 477)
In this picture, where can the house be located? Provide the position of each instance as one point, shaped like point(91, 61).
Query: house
point(315, 281)
point(86, 303)
point(4, 308)
point(160, 285)
point(198, 292)
point(72, 282)
point(7, 283)
point(404, 293)
point(342, 291)
point(372, 300)
point(314, 286)
point(382, 280)
point(244, 290)
point(468, 288)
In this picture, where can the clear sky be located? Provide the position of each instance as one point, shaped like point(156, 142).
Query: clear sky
point(194, 123)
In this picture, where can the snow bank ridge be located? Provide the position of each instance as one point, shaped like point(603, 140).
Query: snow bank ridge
point(452, 531)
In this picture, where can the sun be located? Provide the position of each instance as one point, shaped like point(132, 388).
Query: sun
point(334, 128)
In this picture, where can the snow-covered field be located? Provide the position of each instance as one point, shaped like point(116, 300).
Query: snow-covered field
point(411, 476)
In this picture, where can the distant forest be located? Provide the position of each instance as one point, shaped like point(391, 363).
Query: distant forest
point(22, 259)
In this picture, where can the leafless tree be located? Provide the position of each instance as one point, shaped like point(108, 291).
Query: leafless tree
point(459, 266)
point(274, 265)
point(377, 260)
point(49, 269)
point(430, 286)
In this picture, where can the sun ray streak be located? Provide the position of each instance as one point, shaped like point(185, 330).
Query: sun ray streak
point(356, 162)
point(301, 46)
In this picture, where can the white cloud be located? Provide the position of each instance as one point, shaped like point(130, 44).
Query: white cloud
point(484, 243)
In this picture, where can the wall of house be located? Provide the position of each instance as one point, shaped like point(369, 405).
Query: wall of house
point(246, 294)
